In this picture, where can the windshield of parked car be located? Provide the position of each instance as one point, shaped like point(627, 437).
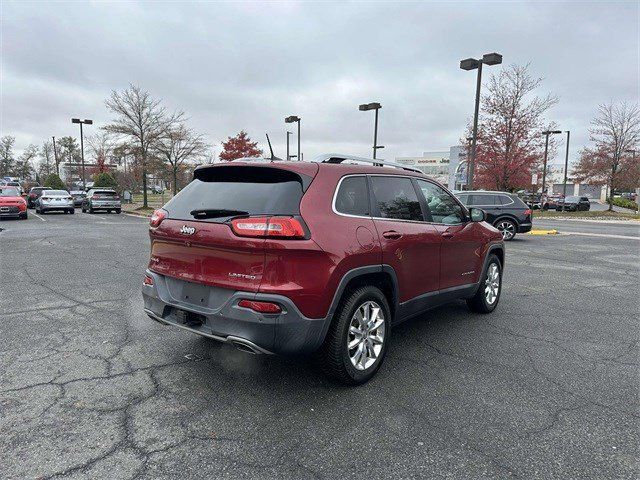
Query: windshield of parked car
point(9, 192)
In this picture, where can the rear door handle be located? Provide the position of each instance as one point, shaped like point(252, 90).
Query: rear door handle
point(391, 234)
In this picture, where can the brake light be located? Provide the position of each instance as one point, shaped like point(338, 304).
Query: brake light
point(147, 280)
point(157, 217)
point(261, 307)
point(528, 211)
point(281, 227)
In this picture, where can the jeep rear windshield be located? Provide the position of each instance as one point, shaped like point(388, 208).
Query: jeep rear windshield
point(219, 193)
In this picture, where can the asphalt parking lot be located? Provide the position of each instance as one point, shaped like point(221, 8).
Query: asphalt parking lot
point(545, 387)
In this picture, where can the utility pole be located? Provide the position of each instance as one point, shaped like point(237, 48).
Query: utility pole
point(546, 133)
point(373, 106)
point(55, 156)
point(473, 64)
point(566, 168)
point(295, 119)
point(82, 122)
point(288, 155)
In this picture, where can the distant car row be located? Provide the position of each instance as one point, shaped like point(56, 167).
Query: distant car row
point(44, 200)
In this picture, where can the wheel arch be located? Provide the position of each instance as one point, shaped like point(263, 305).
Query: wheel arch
point(506, 216)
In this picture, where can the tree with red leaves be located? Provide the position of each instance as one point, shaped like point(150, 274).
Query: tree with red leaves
point(510, 146)
point(616, 133)
point(239, 146)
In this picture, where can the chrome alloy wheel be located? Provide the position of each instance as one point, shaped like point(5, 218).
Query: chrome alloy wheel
point(492, 284)
point(508, 229)
point(366, 335)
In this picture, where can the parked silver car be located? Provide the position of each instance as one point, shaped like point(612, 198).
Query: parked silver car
point(51, 200)
point(102, 199)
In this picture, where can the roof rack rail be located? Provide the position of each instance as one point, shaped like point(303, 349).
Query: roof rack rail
point(340, 157)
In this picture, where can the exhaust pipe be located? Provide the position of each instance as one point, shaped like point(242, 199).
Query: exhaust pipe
point(246, 346)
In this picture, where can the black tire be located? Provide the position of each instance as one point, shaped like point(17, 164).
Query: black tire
point(479, 302)
point(118, 210)
point(23, 216)
point(334, 357)
point(72, 211)
point(91, 210)
point(507, 227)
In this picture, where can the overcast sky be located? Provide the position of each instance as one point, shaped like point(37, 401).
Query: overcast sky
point(233, 66)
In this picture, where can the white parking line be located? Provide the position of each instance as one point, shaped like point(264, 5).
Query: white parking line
point(38, 216)
point(605, 235)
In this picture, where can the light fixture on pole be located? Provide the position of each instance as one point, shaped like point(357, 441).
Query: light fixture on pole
point(82, 122)
point(295, 119)
point(546, 133)
point(473, 64)
point(373, 106)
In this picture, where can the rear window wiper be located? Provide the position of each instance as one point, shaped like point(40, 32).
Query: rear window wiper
point(216, 213)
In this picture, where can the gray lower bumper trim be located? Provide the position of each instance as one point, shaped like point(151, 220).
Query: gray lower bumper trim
point(230, 339)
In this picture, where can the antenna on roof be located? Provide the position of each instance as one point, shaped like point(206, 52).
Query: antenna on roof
point(273, 157)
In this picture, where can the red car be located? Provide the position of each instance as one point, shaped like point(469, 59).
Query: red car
point(12, 204)
point(323, 257)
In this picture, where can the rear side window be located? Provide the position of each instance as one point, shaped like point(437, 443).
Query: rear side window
point(396, 198)
point(505, 200)
point(218, 193)
point(353, 196)
point(483, 199)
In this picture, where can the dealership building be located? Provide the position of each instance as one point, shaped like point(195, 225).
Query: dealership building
point(441, 165)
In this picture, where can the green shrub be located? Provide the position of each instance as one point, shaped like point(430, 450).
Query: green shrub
point(625, 203)
point(104, 180)
point(54, 182)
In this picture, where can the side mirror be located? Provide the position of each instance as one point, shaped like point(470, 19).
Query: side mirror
point(477, 214)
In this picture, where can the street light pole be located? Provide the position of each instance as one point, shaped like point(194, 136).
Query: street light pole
point(473, 64)
point(82, 122)
point(373, 106)
point(288, 156)
point(295, 119)
point(566, 168)
point(546, 133)
point(55, 156)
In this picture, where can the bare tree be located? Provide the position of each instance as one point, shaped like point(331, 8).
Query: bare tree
point(101, 146)
point(615, 130)
point(24, 167)
point(178, 146)
point(46, 159)
point(143, 120)
point(7, 160)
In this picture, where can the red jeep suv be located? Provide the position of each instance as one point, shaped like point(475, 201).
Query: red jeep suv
point(320, 257)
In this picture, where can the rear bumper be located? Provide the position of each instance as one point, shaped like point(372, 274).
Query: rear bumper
point(105, 205)
point(524, 227)
point(286, 333)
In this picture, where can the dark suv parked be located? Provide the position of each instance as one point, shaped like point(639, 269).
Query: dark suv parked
point(505, 211)
point(316, 257)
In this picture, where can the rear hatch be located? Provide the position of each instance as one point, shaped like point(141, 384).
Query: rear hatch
point(206, 234)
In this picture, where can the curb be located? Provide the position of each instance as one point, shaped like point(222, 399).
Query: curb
point(137, 215)
point(543, 232)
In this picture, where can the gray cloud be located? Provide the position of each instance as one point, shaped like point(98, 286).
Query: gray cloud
point(235, 66)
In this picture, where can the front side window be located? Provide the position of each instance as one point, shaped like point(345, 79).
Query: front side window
point(353, 196)
point(442, 206)
point(396, 198)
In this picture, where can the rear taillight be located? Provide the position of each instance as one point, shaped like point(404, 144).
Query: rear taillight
point(281, 227)
point(261, 307)
point(147, 280)
point(528, 211)
point(157, 217)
